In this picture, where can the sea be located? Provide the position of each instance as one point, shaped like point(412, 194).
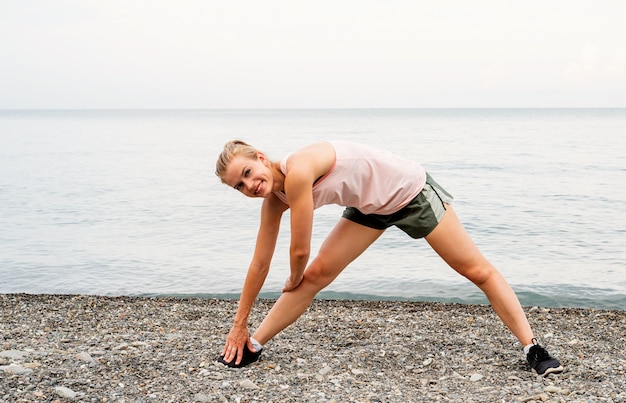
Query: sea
point(126, 202)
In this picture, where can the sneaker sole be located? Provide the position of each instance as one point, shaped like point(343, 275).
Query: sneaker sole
point(549, 371)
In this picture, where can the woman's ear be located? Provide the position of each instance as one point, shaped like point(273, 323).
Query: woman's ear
point(262, 158)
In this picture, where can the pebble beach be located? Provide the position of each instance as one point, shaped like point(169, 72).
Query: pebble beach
point(62, 348)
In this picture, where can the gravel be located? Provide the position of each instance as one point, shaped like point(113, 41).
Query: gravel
point(62, 348)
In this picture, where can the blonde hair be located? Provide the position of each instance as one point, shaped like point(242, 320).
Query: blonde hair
point(231, 150)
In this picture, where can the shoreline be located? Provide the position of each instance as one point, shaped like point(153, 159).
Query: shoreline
point(470, 296)
point(114, 349)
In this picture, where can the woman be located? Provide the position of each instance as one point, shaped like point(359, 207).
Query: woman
point(379, 190)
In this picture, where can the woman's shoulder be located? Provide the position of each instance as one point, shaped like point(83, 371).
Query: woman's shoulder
point(312, 152)
point(317, 157)
point(323, 146)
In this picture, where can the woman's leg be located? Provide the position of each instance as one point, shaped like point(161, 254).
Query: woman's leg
point(344, 244)
point(450, 240)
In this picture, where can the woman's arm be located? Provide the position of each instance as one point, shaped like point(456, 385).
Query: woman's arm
point(300, 190)
point(303, 169)
point(271, 213)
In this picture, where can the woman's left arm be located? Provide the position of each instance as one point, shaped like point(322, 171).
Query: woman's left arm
point(303, 169)
point(299, 187)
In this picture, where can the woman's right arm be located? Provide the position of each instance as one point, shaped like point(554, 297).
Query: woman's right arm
point(271, 213)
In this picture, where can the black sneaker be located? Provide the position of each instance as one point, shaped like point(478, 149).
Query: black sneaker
point(248, 358)
point(542, 362)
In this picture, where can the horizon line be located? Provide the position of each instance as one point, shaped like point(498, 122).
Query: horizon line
point(314, 108)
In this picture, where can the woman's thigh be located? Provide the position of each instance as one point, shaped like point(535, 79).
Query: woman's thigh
point(452, 242)
point(346, 242)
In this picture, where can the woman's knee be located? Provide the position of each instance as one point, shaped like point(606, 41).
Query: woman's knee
point(478, 274)
point(317, 276)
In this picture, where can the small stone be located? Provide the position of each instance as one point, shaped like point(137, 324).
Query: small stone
point(552, 389)
point(529, 398)
point(356, 371)
point(14, 354)
point(15, 369)
point(476, 377)
point(202, 398)
point(325, 370)
point(32, 365)
point(86, 357)
point(248, 384)
point(427, 362)
point(64, 392)
point(217, 375)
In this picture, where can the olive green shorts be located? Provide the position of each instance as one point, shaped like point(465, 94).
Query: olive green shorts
point(418, 218)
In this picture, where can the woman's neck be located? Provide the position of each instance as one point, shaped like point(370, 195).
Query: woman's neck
point(278, 177)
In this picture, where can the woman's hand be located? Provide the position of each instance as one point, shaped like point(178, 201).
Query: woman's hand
point(237, 339)
point(292, 283)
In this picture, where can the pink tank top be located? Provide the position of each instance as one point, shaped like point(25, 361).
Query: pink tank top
point(371, 180)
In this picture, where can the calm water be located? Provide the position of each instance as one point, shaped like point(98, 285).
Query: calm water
point(126, 203)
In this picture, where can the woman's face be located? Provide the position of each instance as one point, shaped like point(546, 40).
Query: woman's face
point(252, 177)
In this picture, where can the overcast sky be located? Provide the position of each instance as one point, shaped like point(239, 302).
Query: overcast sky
point(317, 54)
